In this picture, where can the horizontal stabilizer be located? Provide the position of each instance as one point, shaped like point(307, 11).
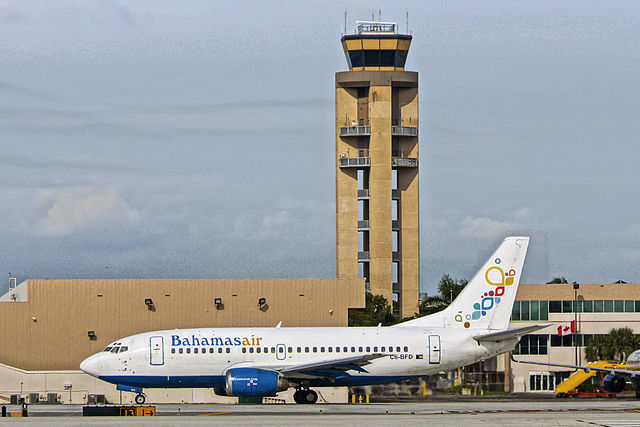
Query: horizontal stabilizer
point(508, 333)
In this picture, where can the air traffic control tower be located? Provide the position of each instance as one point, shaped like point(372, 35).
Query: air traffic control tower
point(377, 227)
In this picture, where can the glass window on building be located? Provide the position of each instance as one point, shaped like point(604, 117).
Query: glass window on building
point(556, 341)
point(567, 306)
point(555, 306)
point(598, 306)
point(578, 306)
point(608, 306)
point(515, 311)
point(544, 310)
point(542, 381)
point(524, 310)
point(629, 306)
point(535, 310)
point(588, 306)
point(637, 306)
point(618, 306)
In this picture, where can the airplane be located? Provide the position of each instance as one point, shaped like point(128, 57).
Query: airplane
point(264, 361)
point(615, 380)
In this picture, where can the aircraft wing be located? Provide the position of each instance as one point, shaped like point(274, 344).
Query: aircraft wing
point(584, 368)
point(508, 333)
point(329, 368)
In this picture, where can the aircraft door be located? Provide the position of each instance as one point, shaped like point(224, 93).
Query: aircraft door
point(434, 349)
point(281, 352)
point(156, 349)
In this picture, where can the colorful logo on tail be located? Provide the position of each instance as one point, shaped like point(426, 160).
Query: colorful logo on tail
point(496, 277)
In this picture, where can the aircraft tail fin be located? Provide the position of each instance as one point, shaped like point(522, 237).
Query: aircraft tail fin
point(486, 302)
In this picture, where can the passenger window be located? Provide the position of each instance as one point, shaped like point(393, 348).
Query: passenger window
point(330, 349)
point(406, 349)
point(195, 351)
point(258, 350)
point(290, 349)
point(398, 349)
point(315, 349)
point(273, 349)
point(266, 349)
point(382, 349)
point(368, 349)
point(280, 349)
point(306, 349)
point(210, 349)
point(375, 349)
point(345, 349)
point(321, 349)
point(299, 349)
point(337, 349)
point(220, 349)
point(188, 350)
point(360, 349)
point(353, 349)
point(244, 349)
point(180, 350)
point(173, 350)
point(228, 350)
point(250, 349)
point(204, 350)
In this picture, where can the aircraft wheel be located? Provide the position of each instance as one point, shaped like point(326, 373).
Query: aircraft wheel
point(309, 396)
point(297, 396)
point(140, 399)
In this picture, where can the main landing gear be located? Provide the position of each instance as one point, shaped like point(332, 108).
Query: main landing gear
point(140, 398)
point(305, 395)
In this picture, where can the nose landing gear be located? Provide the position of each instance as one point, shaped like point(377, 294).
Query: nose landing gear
point(305, 396)
point(140, 398)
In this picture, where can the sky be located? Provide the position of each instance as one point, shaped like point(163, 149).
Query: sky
point(163, 139)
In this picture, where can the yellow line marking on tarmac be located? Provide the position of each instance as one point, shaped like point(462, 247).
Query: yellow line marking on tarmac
point(212, 413)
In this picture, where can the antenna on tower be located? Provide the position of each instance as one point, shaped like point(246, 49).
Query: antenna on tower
point(407, 22)
point(379, 14)
point(345, 21)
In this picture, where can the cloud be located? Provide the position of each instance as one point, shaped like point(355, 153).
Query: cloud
point(70, 211)
point(484, 228)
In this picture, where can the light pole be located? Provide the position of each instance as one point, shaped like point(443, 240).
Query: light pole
point(576, 286)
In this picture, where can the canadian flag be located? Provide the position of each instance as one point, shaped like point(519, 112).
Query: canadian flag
point(567, 329)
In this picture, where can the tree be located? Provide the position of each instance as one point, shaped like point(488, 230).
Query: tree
point(376, 311)
point(616, 345)
point(557, 281)
point(448, 289)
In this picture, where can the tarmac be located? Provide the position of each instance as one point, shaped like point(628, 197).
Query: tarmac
point(440, 412)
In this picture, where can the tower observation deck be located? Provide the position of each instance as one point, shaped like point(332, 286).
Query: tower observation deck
point(377, 212)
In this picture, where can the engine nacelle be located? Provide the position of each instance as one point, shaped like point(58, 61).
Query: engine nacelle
point(254, 382)
point(614, 383)
point(220, 391)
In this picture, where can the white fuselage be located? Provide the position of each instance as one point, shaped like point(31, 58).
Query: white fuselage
point(201, 357)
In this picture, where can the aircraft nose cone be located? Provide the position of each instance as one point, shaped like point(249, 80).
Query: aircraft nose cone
point(91, 365)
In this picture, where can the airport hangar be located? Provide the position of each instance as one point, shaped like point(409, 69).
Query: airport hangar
point(49, 326)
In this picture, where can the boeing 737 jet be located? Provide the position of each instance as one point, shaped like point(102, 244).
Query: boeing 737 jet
point(264, 361)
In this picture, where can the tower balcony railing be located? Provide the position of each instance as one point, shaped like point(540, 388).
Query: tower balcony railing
point(355, 131)
point(397, 288)
point(363, 256)
point(395, 256)
point(404, 162)
point(395, 194)
point(363, 224)
point(404, 130)
point(362, 159)
point(395, 225)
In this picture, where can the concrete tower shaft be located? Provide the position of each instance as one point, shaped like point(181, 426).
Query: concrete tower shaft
point(377, 206)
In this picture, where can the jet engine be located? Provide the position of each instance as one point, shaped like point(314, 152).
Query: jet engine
point(254, 382)
point(614, 383)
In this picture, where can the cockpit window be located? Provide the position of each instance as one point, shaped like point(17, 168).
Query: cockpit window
point(108, 349)
point(124, 348)
point(115, 349)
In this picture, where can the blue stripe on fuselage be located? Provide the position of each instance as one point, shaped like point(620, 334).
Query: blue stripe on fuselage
point(211, 381)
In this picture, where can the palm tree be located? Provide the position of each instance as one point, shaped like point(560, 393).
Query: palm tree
point(616, 345)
